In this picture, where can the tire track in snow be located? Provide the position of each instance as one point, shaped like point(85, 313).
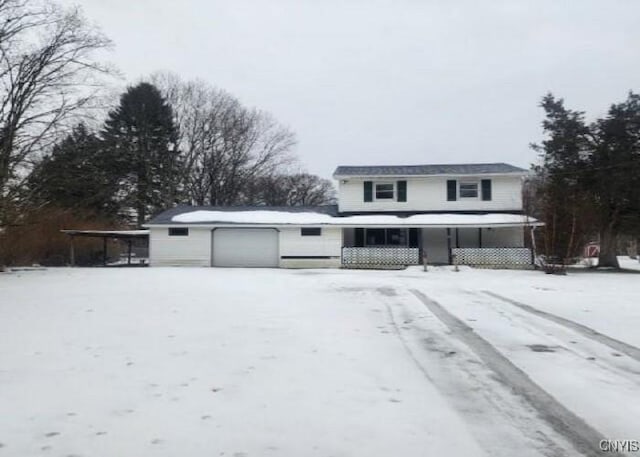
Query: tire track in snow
point(588, 332)
point(580, 434)
point(499, 420)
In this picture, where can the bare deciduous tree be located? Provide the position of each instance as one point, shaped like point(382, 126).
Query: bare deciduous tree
point(47, 75)
point(298, 189)
point(226, 146)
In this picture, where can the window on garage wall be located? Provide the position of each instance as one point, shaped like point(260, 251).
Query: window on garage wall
point(310, 231)
point(178, 231)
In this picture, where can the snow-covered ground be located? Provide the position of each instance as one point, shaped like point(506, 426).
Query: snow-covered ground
point(242, 362)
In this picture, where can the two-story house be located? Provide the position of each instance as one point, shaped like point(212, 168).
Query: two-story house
point(386, 216)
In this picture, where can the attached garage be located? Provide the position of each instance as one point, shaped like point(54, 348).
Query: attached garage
point(245, 247)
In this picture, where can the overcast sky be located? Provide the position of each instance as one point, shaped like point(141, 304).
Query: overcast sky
point(389, 82)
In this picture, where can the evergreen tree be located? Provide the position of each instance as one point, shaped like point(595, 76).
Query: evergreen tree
point(74, 176)
point(140, 138)
point(590, 177)
point(563, 198)
point(614, 176)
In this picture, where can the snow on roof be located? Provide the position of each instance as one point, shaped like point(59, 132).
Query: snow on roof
point(432, 169)
point(312, 218)
point(166, 217)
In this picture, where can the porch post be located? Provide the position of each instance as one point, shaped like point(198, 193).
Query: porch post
point(479, 237)
point(104, 251)
point(129, 253)
point(449, 244)
point(72, 251)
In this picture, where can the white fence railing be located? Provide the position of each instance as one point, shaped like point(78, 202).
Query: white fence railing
point(380, 256)
point(492, 257)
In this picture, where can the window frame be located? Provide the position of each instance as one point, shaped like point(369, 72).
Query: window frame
point(394, 191)
point(316, 231)
point(178, 231)
point(475, 183)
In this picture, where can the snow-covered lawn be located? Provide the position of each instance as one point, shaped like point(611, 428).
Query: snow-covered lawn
point(242, 362)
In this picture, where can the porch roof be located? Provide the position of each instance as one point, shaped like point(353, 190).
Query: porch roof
point(310, 218)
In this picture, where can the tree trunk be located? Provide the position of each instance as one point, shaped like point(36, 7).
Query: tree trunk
point(608, 242)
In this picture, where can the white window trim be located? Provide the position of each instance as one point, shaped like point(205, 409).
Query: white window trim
point(395, 191)
point(469, 181)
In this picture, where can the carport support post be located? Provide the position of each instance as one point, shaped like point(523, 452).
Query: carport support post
point(104, 251)
point(129, 252)
point(72, 251)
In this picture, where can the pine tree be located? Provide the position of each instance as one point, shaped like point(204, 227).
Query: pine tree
point(614, 176)
point(590, 177)
point(73, 176)
point(140, 139)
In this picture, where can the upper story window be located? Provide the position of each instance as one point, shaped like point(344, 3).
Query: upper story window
point(178, 231)
point(385, 191)
point(468, 189)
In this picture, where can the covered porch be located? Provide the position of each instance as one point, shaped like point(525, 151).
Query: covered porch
point(368, 247)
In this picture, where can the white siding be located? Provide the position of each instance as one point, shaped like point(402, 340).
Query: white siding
point(191, 250)
point(430, 194)
point(328, 244)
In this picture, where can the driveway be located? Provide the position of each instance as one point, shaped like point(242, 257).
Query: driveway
point(240, 362)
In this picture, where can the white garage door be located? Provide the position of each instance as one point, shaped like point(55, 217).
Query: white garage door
point(245, 247)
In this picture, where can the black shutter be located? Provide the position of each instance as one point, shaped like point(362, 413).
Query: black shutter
point(452, 190)
point(413, 238)
point(359, 237)
point(486, 189)
point(368, 191)
point(402, 191)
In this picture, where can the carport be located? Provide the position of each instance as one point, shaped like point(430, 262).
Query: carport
point(122, 235)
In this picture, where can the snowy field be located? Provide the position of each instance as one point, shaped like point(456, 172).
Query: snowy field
point(241, 362)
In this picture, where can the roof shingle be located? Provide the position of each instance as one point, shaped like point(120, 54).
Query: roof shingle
point(434, 169)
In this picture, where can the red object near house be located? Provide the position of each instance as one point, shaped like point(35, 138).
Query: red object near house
point(592, 250)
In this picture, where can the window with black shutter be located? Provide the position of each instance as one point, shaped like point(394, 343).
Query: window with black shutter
point(486, 189)
point(452, 190)
point(368, 191)
point(402, 191)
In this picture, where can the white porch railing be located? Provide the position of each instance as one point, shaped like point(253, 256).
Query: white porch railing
point(380, 256)
point(492, 257)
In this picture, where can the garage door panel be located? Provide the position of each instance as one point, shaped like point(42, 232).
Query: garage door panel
point(245, 247)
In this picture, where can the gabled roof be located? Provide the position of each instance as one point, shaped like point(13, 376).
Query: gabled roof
point(167, 216)
point(426, 170)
